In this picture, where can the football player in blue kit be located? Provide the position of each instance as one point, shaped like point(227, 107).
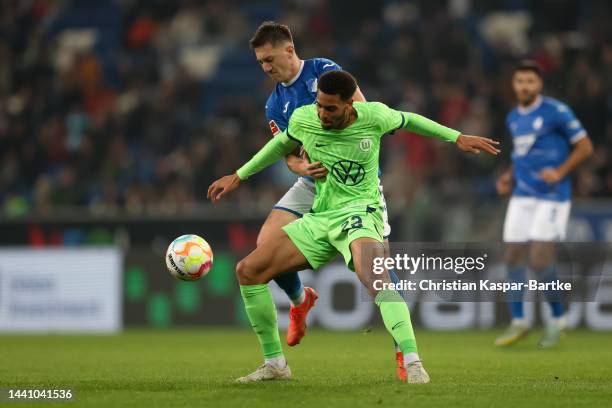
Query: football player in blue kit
point(296, 85)
point(549, 142)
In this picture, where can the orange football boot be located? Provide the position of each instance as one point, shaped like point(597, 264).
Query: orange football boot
point(401, 370)
point(297, 317)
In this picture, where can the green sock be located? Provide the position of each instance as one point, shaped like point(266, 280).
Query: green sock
point(396, 316)
point(261, 311)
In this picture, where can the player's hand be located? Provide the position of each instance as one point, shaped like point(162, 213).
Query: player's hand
point(551, 175)
point(306, 168)
point(503, 185)
point(474, 144)
point(222, 186)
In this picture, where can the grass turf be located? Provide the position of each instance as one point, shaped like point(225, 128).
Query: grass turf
point(197, 367)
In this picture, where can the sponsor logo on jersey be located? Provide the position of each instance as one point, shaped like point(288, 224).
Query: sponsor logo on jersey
point(523, 143)
point(365, 145)
point(537, 123)
point(312, 85)
point(348, 172)
point(274, 127)
point(286, 107)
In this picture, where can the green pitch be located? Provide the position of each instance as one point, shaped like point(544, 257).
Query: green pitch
point(196, 368)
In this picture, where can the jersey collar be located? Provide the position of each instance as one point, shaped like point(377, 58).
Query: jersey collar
point(286, 84)
point(534, 105)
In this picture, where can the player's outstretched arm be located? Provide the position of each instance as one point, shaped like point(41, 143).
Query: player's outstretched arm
point(221, 187)
point(474, 144)
point(277, 148)
point(427, 127)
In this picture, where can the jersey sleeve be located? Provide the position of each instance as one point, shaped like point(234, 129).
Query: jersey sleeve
point(389, 120)
point(323, 65)
point(276, 148)
point(276, 120)
point(569, 126)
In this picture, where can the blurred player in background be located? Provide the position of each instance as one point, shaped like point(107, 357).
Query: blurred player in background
point(548, 143)
point(346, 215)
point(296, 85)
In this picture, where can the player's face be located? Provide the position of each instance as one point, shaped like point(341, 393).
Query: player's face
point(527, 86)
point(276, 61)
point(332, 110)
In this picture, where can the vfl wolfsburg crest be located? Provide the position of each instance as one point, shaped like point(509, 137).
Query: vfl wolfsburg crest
point(365, 145)
point(348, 172)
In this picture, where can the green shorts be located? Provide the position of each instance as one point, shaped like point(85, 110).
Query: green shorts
point(321, 236)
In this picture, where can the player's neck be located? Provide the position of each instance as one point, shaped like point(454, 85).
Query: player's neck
point(295, 74)
point(352, 117)
point(530, 106)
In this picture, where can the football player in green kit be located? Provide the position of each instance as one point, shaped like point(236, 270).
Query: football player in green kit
point(344, 136)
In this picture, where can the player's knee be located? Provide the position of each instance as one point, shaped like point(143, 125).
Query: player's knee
point(514, 256)
point(244, 272)
point(247, 273)
point(539, 263)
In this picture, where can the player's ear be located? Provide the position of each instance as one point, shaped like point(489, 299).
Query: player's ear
point(290, 48)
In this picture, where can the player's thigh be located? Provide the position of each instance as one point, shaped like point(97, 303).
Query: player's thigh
point(549, 222)
point(272, 227)
point(519, 217)
point(364, 251)
point(272, 258)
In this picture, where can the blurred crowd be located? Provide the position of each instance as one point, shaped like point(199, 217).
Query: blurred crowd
point(138, 105)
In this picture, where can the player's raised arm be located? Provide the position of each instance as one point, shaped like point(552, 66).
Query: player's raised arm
point(391, 120)
point(277, 148)
point(468, 143)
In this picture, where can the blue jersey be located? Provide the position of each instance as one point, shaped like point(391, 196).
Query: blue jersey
point(542, 137)
point(301, 91)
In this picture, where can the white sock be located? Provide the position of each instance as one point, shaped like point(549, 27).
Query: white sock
point(410, 358)
point(278, 362)
point(300, 299)
point(519, 321)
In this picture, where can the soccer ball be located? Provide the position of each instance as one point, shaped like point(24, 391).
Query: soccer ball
point(189, 257)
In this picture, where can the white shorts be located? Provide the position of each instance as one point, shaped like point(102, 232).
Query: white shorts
point(534, 219)
point(299, 198)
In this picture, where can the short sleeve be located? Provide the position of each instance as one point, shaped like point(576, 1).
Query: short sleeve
point(276, 120)
point(388, 119)
point(324, 65)
point(569, 126)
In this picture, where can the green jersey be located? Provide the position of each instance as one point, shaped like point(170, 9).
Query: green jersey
point(351, 155)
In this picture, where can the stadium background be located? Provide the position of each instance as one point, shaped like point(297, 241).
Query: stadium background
point(115, 116)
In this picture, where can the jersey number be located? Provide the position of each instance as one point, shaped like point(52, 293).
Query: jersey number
point(355, 223)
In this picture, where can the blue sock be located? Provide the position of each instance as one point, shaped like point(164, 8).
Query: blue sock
point(291, 284)
point(395, 279)
point(555, 298)
point(516, 274)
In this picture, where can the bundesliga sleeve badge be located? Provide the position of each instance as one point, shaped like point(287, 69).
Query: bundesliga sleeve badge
point(274, 127)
